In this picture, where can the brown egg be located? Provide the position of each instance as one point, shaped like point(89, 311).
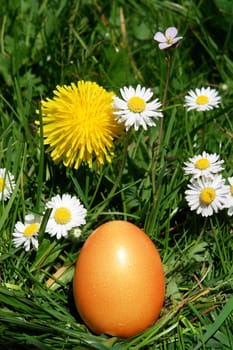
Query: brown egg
point(119, 282)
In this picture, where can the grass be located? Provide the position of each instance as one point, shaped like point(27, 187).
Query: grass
point(46, 43)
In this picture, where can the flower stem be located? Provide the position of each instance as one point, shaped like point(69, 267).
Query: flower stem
point(118, 179)
point(155, 156)
point(116, 183)
point(204, 132)
point(168, 61)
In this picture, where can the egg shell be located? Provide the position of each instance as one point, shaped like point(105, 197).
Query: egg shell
point(119, 282)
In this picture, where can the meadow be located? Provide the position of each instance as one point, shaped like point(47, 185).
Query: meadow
point(142, 174)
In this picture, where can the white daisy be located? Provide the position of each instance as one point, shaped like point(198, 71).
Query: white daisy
point(203, 165)
point(134, 109)
point(203, 99)
point(26, 234)
point(207, 195)
point(168, 39)
point(7, 184)
point(229, 203)
point(67, 213)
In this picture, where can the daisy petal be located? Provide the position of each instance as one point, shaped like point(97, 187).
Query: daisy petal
point(207, 195)
point(26, 234)
point(134, 110)
point(67, 213)
point(203, 99)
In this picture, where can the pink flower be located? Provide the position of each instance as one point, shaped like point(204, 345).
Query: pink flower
point(168, 39)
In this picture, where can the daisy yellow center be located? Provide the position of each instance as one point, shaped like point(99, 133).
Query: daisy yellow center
point(207, 195)
point(202, 100)
point(202, 164)
point(62, 216)
point(231, 190)
point(1, 184)
point(31, 229)
point(136, 104)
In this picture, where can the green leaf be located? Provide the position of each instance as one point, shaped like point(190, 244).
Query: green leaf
point(214, 327)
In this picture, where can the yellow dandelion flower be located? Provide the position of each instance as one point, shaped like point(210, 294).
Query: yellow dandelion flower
point(79, 124)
